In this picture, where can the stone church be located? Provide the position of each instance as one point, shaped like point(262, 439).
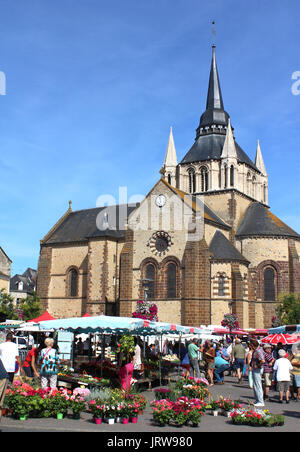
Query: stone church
point(204, 240)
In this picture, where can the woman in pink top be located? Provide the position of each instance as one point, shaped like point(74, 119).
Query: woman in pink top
point(125, 374)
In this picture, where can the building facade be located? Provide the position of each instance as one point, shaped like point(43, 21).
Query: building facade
point(204, 239)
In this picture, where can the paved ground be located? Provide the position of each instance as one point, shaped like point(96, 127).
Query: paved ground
point(209, 423)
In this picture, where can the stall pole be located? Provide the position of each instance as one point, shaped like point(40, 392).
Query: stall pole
point(160, 352)
point(179, 348)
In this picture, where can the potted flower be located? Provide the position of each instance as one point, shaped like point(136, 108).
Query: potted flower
point(77, 405)
point(162, 412)
point(194, 416)
point(96, 408)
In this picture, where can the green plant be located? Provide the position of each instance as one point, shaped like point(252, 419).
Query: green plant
point(194, 416)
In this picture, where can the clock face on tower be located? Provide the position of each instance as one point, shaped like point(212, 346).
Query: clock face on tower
point(161, 244)
point(160, 200)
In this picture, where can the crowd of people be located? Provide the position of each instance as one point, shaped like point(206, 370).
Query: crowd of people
point(264, 366)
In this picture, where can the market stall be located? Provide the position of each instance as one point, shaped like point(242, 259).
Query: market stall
point(106, 326)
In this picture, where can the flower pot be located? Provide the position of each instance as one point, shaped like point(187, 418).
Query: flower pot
point(140, 412)
point(111, 421)
point(118, 420)
point(125, 420)
point(194, 425)
point(59, 416)
point(76, 416)
point(23, 418)
point(134, 420)
point(4, 411)
point(215, 412)
point(98, 420)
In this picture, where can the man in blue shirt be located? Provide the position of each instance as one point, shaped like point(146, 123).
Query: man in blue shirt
point(220, 366)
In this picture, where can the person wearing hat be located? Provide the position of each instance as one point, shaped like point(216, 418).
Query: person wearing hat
point(268, 370)
point(283, 368)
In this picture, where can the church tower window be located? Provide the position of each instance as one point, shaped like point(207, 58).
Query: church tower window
point(171, 281)
point(204, 178)
point(232, 176)
point(150, 275)
point(269, 284)
point(225, 176)
point(192, 180)
point(169, 179)
point(221, 286)
point(73, 278)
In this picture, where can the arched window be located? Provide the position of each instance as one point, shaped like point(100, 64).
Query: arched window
point(73, 280)
point(232, 176)
point(171, 281)
point(225, 176)
point(192, 180)
point(253, 187)
point(269, 284)
point(221, 286)
point(150, 275)
point(204, 178)
point(264, 193)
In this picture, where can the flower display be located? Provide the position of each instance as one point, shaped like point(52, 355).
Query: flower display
point(146, 310)
point(230, 321)
point(256, 417)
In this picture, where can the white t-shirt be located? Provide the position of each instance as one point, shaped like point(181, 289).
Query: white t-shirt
point(137, 358)
point(8, 353)
point(282, 367)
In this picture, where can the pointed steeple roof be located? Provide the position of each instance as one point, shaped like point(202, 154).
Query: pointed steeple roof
point(259, 161)
point(229, 149)
point(214, 113)
point(171, 156)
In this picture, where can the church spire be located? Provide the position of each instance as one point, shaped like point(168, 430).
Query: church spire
point(259, 161)
point(171, 156)
point(215, 118)
point(229, 149)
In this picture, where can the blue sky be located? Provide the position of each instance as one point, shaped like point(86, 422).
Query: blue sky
point(92, 88)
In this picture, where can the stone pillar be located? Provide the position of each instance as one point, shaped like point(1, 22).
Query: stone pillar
point(126, 276)
point(196, 284)
point(44, 275)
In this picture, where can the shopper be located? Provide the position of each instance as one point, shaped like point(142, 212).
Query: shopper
point(238, 359)
point(185, 361)
point(126, 372)
point(220, 366)
point(3, 385)
point(137, 360)
point(9, 355)
point(193, 350)
point(49, 365)
point(209, 358)
point(283, 368)
point(296, 373)
point(268, 370)
point(257, 362)
point(29, 364)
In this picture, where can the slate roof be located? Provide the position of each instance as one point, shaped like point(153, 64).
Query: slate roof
point(209, 147)
point(259, 221)
point(80, 225)
point(223, 249)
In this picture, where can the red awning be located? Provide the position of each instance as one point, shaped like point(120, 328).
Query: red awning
point(227, 331)
point(41, 318)
point(86, 315)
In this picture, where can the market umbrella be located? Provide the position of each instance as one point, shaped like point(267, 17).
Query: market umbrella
point(285, 339)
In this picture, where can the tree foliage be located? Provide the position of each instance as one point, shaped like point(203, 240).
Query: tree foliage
point(28, 309)
point(288, 309)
